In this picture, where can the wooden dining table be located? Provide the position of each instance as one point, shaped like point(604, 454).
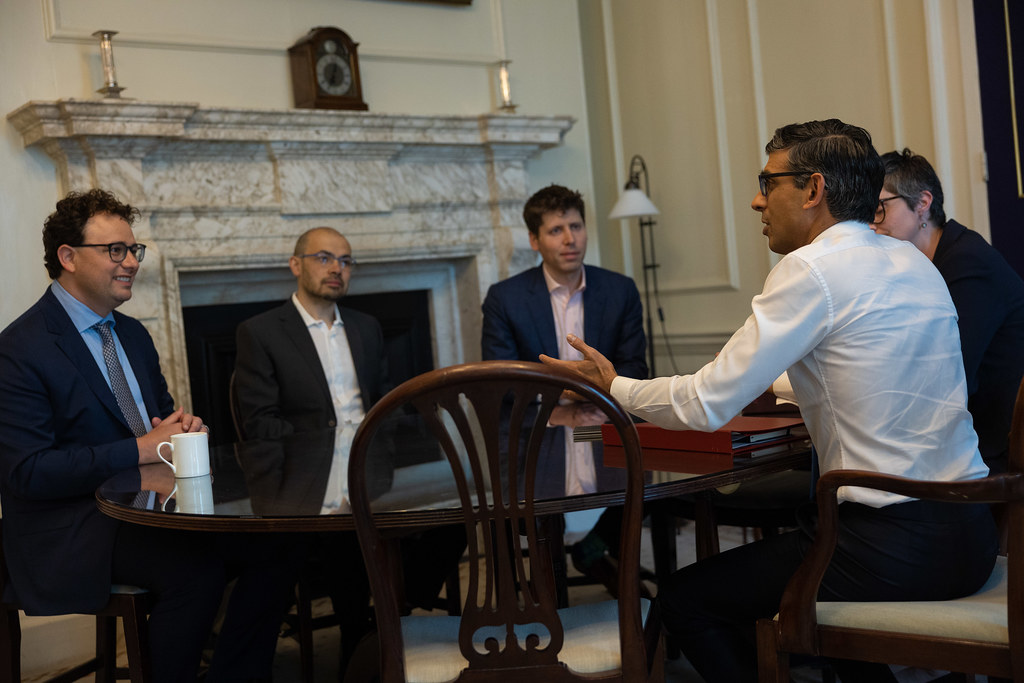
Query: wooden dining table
point(297, 484)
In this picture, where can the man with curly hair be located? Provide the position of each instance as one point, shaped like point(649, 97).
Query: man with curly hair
point(72, 416)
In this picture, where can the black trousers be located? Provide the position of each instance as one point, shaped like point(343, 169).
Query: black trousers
point(187, 573)
point(918, 550)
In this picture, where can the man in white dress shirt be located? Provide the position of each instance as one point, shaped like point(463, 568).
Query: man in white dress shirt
point(866, 332)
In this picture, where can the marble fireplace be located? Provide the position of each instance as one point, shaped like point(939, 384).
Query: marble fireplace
point(429, 203)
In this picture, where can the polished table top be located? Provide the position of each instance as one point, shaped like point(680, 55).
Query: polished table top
point(298, 484)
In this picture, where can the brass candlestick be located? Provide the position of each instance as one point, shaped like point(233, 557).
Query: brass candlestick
point(110, 87)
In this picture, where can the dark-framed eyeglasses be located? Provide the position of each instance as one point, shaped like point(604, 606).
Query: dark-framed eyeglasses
point(325, 258)
point(762, 179)
point(119, 250)
point(880, 209)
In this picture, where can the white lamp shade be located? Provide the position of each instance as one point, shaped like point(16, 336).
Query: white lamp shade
point(633, 203)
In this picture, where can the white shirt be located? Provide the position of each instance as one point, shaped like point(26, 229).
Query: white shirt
point(567, 307)
point(332, 347)
point(866, 329)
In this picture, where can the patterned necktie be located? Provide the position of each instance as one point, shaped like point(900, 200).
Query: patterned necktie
point(118, 382)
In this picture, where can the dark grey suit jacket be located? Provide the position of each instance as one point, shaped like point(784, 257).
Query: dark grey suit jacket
point(279, 382)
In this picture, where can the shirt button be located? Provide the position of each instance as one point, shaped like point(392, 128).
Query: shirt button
point(332, 423)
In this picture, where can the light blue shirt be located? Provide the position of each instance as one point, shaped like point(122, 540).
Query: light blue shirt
point(83, 318)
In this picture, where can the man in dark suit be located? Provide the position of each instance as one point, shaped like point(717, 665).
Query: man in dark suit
point(311, 364)
point(82, 398)
point(531, 313)
point(280, 376)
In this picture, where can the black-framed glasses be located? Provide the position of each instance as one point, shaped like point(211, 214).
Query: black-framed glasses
point(119, 250)
point(762, 179)
point(325, 258)
point(880, 209)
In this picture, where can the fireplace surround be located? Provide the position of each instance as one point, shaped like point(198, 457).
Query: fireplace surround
point(428, 202)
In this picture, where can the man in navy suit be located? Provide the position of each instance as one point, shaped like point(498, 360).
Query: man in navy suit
point(531, 313)
point(74, 411)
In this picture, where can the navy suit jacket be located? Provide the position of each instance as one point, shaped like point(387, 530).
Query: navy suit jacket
point(279, 382)
point(519, 325)
point(61, 436)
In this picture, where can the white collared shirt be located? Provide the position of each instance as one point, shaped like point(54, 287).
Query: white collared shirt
point(567, 307)
point(864, 325)
point(332, 347)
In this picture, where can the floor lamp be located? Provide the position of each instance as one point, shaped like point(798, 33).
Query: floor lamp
point(635, 203)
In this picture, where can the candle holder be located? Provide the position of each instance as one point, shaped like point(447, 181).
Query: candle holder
point(505, 87)
point(110, 87)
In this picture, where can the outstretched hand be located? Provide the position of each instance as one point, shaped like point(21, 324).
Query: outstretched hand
point(594, 366)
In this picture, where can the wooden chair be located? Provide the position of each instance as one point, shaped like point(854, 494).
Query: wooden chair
point(303, 624)
point(980, 634)
point(129, 603)
point(510, 628)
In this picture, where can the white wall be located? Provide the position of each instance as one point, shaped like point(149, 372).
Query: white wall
point(697, 87)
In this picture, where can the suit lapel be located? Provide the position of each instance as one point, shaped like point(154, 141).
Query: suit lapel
point(296, 331)
point(538, 303)
point(593, 296)
point(359, 353)
point(69, 341)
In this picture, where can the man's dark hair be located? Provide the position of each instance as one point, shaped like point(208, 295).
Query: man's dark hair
point(908, 175)
point(66, 225)
point(553, 198)
point(843, 154)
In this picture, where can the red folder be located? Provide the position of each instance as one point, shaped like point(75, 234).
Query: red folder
point(739, 435)
point(696, 452)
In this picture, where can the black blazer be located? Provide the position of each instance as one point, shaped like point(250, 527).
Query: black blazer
point(61, 436)
point(279, 382)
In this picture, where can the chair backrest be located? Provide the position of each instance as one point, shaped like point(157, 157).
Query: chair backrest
point(489, 420)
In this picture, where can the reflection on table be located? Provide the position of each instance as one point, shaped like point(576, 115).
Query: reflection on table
point(299, 483)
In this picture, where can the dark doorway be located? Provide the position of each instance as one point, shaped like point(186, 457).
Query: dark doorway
point(1002, 113)
point(210, 344)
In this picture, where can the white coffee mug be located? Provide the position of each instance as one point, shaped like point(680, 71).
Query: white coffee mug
point(193, 495)
point(190, 453)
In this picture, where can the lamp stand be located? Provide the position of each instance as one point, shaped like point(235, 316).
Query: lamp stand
point(650, 272)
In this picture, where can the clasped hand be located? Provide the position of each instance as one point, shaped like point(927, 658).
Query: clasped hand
point(177, 422)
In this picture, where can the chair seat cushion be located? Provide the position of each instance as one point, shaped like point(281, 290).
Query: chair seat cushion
point(591, 642)
point(981, 616)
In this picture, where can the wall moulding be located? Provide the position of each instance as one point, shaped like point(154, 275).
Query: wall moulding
point(227, 191)
point(268, 29)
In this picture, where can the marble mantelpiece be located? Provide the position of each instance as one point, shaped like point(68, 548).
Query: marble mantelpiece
point(428, 202)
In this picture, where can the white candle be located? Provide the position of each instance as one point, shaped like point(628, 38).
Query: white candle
point(506, 90)
point(107, 55)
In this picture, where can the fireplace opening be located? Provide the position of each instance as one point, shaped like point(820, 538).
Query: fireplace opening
point(210, 345)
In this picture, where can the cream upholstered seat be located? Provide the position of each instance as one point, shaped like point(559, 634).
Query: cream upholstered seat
point(486, 422)
point(978, 634)
point(980, 617)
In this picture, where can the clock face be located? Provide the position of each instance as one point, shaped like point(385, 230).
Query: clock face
point(333, 74)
